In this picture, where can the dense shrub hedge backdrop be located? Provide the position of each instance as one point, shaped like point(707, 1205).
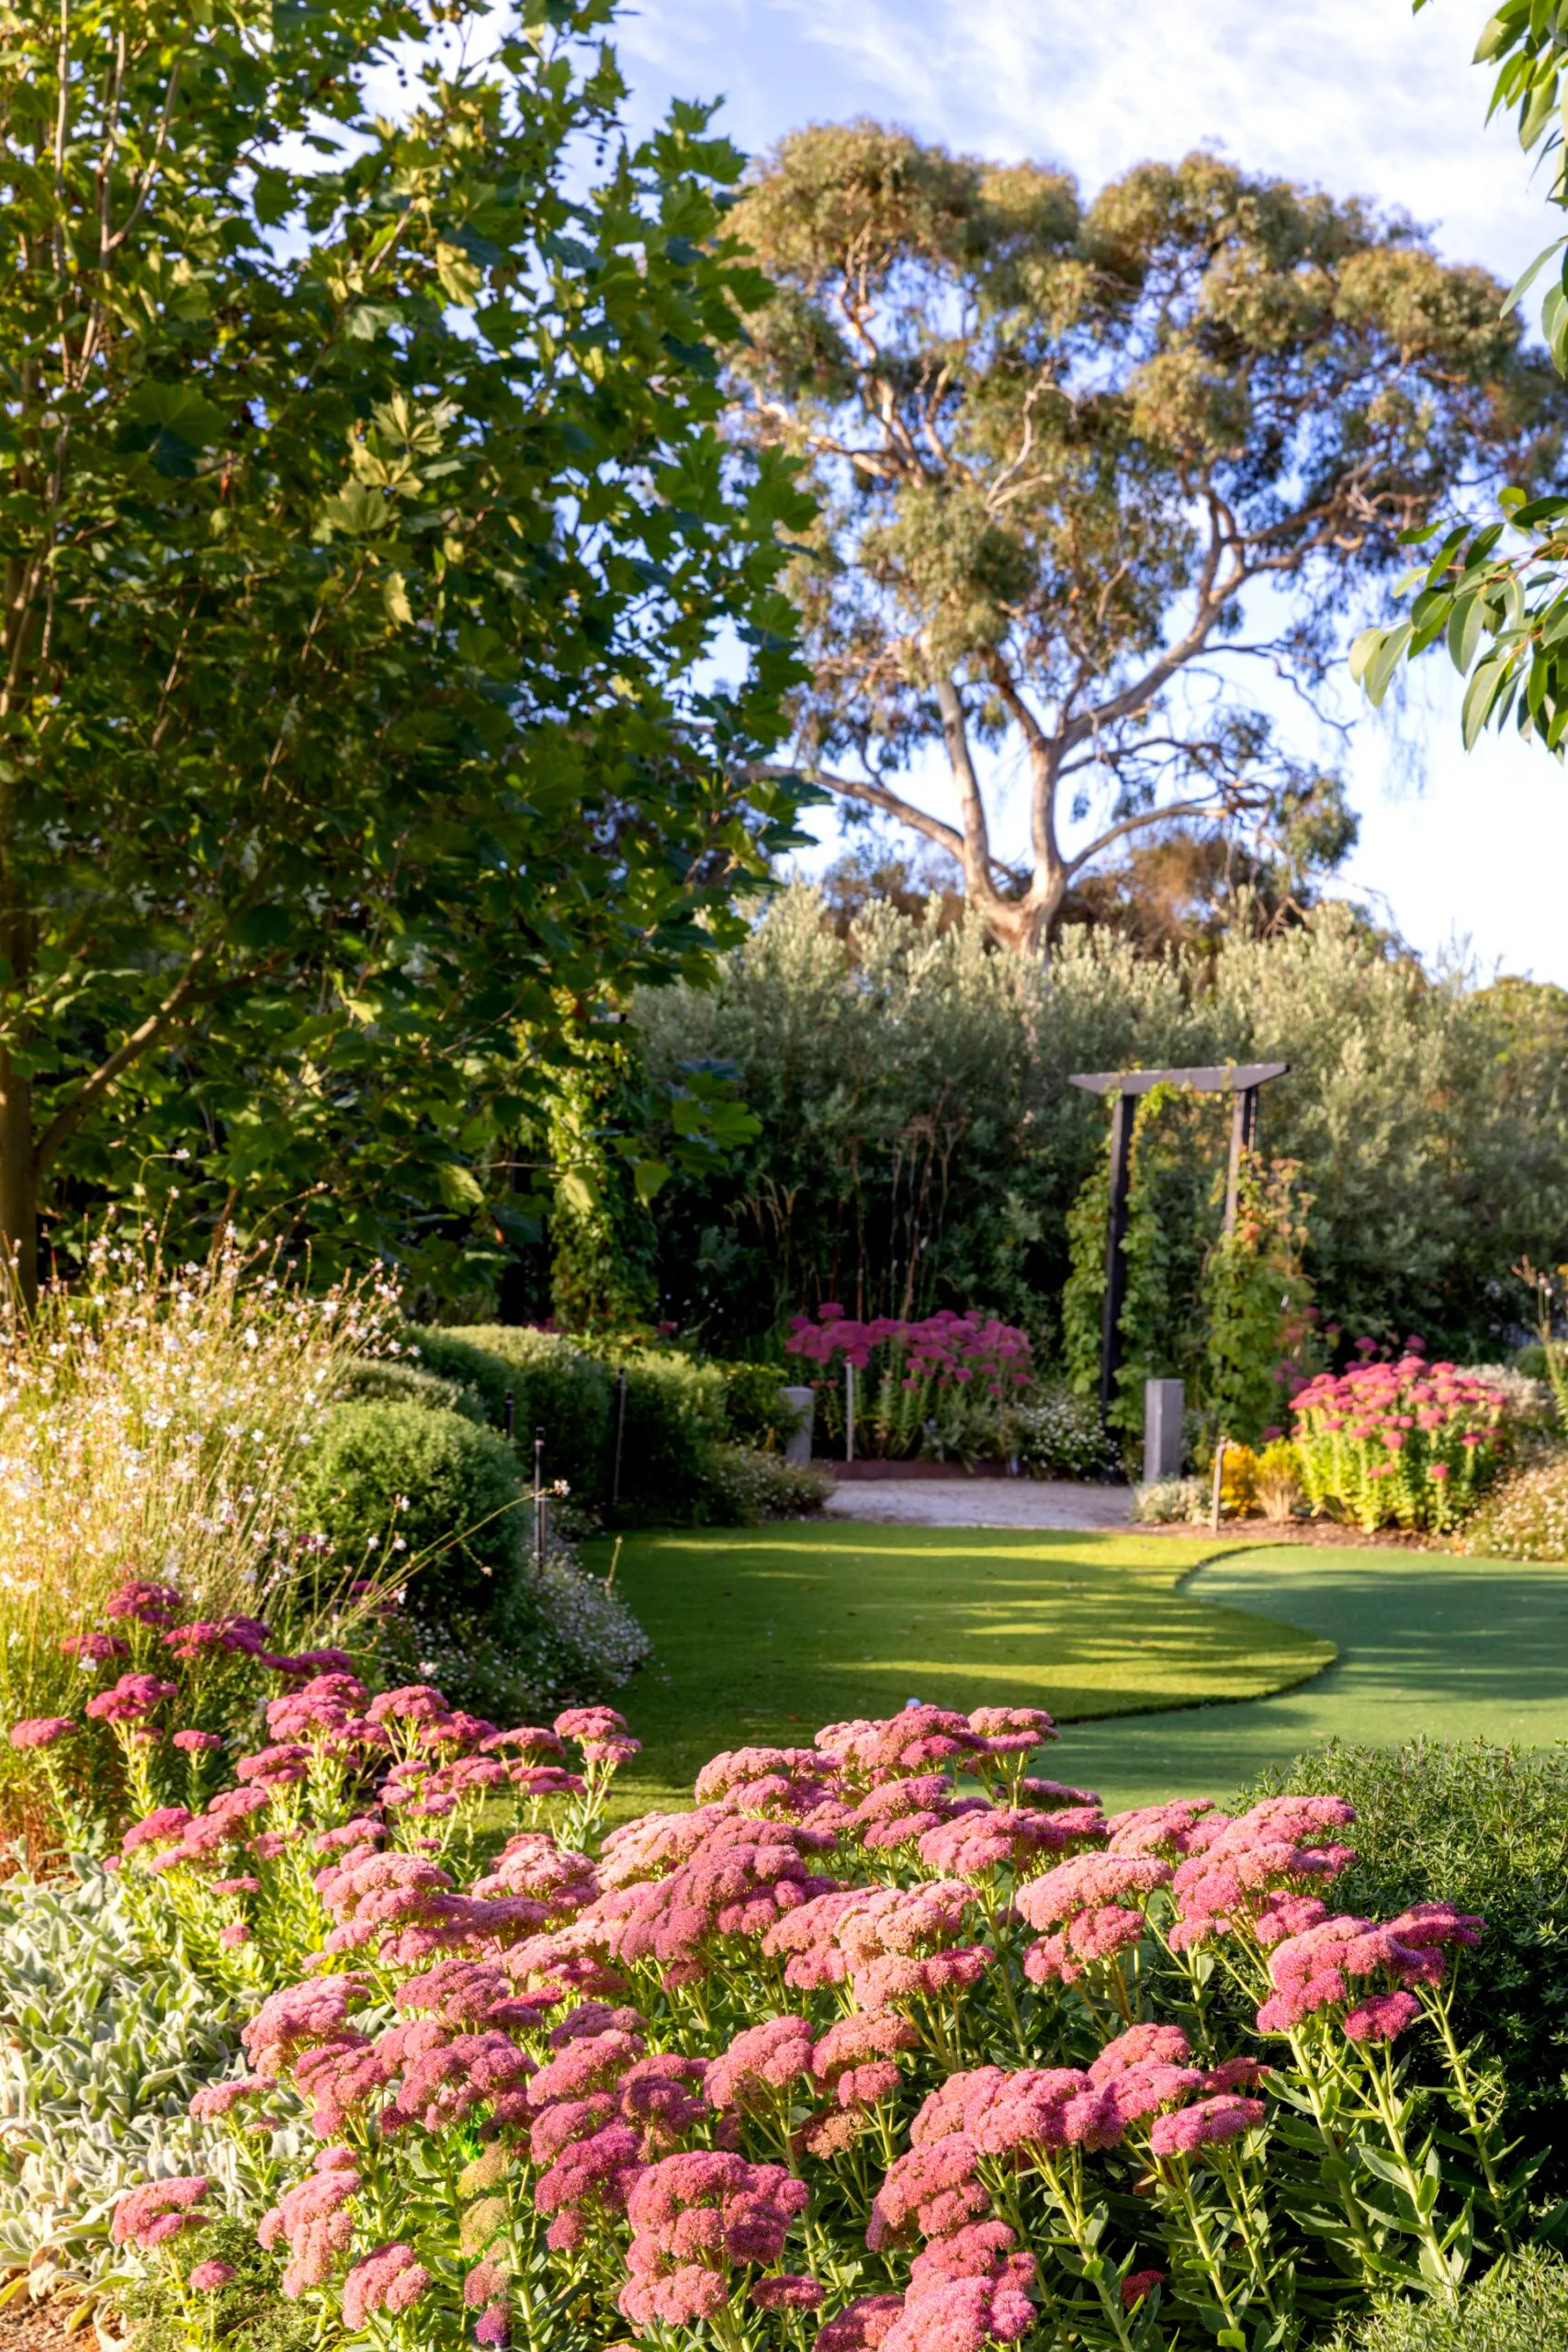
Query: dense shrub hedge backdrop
point(920, 1144)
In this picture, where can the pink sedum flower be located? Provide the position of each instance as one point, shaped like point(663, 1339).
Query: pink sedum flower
point(390, 2279)
point(43, 1731)
point(161, 2209)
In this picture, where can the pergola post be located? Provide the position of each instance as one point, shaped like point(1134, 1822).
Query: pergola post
point(1242, 1081)
point(1244, 1139)
point(1115, 1258)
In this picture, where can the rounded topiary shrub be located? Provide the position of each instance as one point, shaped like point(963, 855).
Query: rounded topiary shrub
point(559, 1390)
point(448, 1356)
point(460, 1529)
point(391, 1380)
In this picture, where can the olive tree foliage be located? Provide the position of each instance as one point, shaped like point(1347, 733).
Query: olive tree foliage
point(1495, 592)
point(921, 1146)
point(1062, 448)
point(366, 524)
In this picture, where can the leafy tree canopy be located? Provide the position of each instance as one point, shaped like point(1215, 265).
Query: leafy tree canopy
point(1493, 591)
point(364, 523)
point(1058, 443)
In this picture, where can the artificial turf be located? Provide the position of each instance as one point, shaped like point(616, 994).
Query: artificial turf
point(763, 1635)
point(1427, 1645)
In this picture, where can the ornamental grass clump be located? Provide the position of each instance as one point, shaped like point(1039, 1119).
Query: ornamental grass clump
point(153, 1420)
point(887, 2042)
point(1403, 1443)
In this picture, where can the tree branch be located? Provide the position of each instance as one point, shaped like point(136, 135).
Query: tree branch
point(69, 1117)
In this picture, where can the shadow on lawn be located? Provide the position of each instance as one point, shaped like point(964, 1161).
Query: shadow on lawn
point(1455, 1649)
point(766, 1635)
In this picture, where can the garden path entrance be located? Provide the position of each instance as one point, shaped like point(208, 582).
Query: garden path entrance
point(982, 1502)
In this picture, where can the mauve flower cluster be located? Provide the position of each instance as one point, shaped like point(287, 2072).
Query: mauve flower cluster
point(697, 2218)
point(161, 2209)
point(602, 2111)
point(313, 2220)
point(946, 1348)
point(1324, 1968)
point(1258, 1871)
point(43, 1731)
point(601, 2043)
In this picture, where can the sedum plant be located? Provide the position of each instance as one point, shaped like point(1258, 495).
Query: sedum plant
point(1403, 1443)
point(887, 2042)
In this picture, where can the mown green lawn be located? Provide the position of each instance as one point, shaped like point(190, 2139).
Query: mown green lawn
point(762, 1635)
point(1429, 1645)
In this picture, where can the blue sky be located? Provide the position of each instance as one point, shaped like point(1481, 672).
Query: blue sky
point(1469, 852)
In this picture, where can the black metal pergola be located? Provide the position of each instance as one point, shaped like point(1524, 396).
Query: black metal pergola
point(1242, 1081)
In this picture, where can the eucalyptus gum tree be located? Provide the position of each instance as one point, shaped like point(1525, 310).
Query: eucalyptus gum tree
point(364, 520)
point(1061, 447)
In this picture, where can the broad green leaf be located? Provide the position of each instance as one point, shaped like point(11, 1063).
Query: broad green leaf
point(650, 1178)
point(458, 1187)
point(1465, 625)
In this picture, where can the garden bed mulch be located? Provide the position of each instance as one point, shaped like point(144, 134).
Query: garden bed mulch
point(42, 2327)
point(1329, 1532)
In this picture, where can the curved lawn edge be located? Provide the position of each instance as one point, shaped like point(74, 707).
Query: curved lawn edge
point(1430, 1644)
point(763, 1635)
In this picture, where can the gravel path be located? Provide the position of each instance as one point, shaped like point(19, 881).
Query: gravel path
point(982, 1502)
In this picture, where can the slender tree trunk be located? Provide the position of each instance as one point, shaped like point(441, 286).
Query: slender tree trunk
point(18, 1177)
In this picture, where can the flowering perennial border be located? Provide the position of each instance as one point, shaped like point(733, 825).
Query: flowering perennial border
point(888, 2041)
point(1404, 1442)
point(948, 1378)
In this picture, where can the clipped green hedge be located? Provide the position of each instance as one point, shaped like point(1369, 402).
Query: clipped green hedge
point(558, 1388)
point(674, 1417)
point(683, 1420)
point(463, 1529)
point(449, 1355)
point(389, 1380)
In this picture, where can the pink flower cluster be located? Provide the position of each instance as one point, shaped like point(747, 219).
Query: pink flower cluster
point(947, 1348)
point(1326, 1966)
point(43, 1731)
point(1391, 1400)
point(313, 2220)
point(602, 2112)
point(1258, 1871)
point(132, 1698)
point(695, 2218)
point(161, 2209)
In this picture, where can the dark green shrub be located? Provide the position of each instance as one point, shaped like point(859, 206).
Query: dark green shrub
point(754, 1411)
point(1519, 2306)
point(491, 1376)
point(1486, 1827)
point(558, 1389)
point(462, 1531)
point(674, 1413)
point(394, 1380)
